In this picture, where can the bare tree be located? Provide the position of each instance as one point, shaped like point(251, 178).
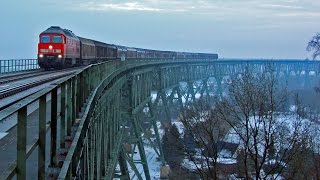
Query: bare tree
point(173, 147)
point(304, 155)
point(174, 154)
point(203, 133)
point(251, 112)
point(314, 45)
point(270, 138)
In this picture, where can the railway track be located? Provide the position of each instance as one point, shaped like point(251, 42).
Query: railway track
point(6, 78)
point(28, 81)
point(22, 87)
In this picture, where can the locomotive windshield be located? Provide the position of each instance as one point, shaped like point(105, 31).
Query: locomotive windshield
point(57, 39)
point(45, 39)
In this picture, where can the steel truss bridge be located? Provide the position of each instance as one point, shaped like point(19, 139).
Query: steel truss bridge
point(101, 115)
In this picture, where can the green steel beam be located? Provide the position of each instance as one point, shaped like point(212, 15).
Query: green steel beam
point(21, 144)
point(74, 99)
point(69, 107)
point(123, 166)
point(53, 127)
point(155, 127)
point(133, 166)
point(135, 124)
point(62, 115)
point(42, 136)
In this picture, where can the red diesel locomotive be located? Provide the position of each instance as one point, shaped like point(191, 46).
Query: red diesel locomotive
point(60, 48)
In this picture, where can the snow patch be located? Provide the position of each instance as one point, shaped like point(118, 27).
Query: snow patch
point(180, 127)
point(153, 163)
point(226, 160)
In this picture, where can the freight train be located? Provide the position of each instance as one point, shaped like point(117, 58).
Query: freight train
point(61, 48)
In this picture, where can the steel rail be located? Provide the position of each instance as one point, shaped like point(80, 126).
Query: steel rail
point(23, 87)
point(6, 78)
point(19, 76)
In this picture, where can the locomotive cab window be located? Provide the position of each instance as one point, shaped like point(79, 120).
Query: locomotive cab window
point(57, 39)
point(45, 39)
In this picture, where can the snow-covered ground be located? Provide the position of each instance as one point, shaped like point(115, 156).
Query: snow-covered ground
point(284, 120)
point(224, 157)
point(153, 163)
point(288, 122)
point(180, 127)
point(201, 163)
point(284, 125)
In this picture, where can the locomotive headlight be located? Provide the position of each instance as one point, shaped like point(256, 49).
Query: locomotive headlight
point(40, 55)
point(60, 56)
point(50, 47)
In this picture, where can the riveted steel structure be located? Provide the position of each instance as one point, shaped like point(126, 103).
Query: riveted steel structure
point(100, 116)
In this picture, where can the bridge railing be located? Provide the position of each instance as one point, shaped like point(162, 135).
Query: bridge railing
point(73, 91)
point(68, 118)
point(103, 97)
point(15, 65)
point(70, 93)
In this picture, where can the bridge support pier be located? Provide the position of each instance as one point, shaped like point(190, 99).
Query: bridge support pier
point(162, 95)
point(134, 96)
point(142, 153)
point(123, 166)
point(156, 131)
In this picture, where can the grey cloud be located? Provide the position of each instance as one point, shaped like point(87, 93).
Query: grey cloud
point(281, 6)
point(268, 28)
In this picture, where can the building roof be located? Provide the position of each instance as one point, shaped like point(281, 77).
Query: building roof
point(232, 147)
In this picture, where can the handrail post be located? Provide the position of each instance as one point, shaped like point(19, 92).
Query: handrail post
point(78, 100)
point(53, 127)
point(21, 143)
point(74, 97)
point(63, 115)
point(69, 108)
point(42, 136)
point(81, 88)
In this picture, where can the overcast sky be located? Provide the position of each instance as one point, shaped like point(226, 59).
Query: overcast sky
point(231, 28)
